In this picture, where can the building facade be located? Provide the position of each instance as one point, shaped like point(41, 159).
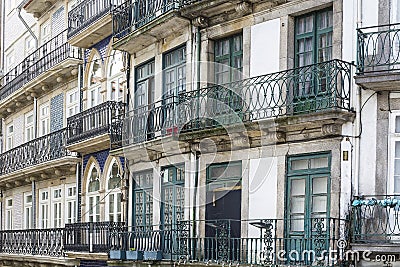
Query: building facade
point(198, 132)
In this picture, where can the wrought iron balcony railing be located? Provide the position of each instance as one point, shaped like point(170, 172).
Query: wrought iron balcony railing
point(305, 90)
point(44, 58)
point(94, 122)
point(132, 15)
point(43, 242)
point(43, 149)
point(223, 243)
point(88, 12)
point(90, 237)
point(376, 219)
point(378, 48)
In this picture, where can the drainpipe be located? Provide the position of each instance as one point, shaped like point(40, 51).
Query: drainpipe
point(2, 27)
point(19, 8)
point(127, 173)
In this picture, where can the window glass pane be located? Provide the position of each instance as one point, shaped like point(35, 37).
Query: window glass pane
point(397, 167)
point(297, 205)
point(397, 129)
point(320, 185)
point(319, 163)
point(300, 164)
point(319, 204)
point(298, 187)
point(297, 223)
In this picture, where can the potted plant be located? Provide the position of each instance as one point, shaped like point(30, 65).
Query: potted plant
point(133, 254)
point(152, 255)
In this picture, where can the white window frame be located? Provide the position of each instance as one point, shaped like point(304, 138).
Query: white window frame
point(93, 214)
point(45, 35)
point(72, 102)
point(116, 194)
point(9, 213)
point(57, 207)
point(10, 136)
point(28, 211)
point(44, 119)
point(70, 203)
point(44, 209)
point(117, 78)
point(29, 45)
point(29, 127)
point(10, 61)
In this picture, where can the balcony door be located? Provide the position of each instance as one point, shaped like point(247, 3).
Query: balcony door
point(228, 67)
point(313, 45)
point(307, 202)
point(143, 125)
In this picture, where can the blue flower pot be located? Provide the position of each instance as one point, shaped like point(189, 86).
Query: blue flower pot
point(152, 255)
point(117, 254)
point(134, 255)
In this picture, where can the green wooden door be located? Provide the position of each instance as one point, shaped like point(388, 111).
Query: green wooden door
point(307, 204)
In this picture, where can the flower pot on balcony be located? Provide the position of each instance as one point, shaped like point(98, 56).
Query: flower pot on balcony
point(152, 255)
point(117, 254)
point(134, 255)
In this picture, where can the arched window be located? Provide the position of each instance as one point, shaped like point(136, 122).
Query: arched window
point(114, 195)
point(94, 83)
point(115, 90)
point(93, 195)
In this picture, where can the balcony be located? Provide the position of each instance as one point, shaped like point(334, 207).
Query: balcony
point(38, 7)
point(378, 57)
point(314, 96)
point(47, 66)
point(35, 158)
point(146, 22)
point(375, 223)
point(89, 130)
point(220, 244)
point(90, 22)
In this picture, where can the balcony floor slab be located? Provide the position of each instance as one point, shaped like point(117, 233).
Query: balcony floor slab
point(379, 81)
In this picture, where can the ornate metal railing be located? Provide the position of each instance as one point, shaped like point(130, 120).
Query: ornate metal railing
point(376, 218)
point(148, 122)
point(88, 12)
point(37, 151)
point(305, 90)
point(44, 58)
point(269, 242)
point(90, 237)
point(309, 89)
point(378, 48)
point(132, 15)
point(94, 121)
point(44, 242)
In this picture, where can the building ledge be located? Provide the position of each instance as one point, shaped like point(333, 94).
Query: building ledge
point(43, 260)
point(379, 81)
point(91, 145)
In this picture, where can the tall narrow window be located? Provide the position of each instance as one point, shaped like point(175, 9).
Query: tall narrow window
point(175, 72)
point(144, 91)
point(70, 204)
point(10, 137)
point(313, 45)
point(28, 211)
point(44, 117)
point(143, 199)
point(116, 77)
point(394, 152)
point(72, 102)
point(45, 32)
point(228, 59)
point(93, 196)
point(95, 77)
point(9, 214)
point(10, 61)
point(29, 130)
point(57, 207)
point(114, 203)
point(44, 209)
point(29, 45)
point(173, 195)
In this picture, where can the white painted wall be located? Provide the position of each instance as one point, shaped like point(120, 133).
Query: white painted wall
point(263, 184)
point(265, 45)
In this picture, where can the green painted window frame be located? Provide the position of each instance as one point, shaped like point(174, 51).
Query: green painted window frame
point(173, 184)
point(178, 58)
point(145, 190)
point(210, 180)
point(231, 56)
point(149, 67)
point(308, 174)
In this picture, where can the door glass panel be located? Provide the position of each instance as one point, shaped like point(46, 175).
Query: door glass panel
point(320, 185)
point(297, 205)
point(297, 223)
point(298, 187)
point(319, 204)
